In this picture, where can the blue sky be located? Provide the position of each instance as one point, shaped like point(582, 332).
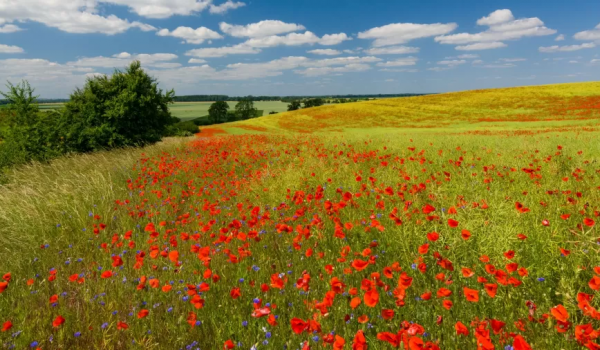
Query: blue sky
point(301, 47)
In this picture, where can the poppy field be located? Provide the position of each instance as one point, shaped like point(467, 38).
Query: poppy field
point(412, 240)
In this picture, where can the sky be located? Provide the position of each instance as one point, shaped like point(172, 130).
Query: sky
point(301, 47)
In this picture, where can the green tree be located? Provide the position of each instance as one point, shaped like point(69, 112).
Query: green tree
point(30, 134)
point(244, 109)
point(124, 109)
point(217, 113)
point(313, 102)
point(295, 105)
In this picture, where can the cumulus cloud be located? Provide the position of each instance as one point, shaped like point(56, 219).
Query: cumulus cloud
point(124, 58)
point(325, 52)
point(560, 38)
point(154, 8)
point(317, 71)
point(406, 61)
point(502, 26)
point(207, 52)
point(80, 16)
point(50, 79)
point(296, 39)
point(591, 35)
point(259, 29)
point(399, 70)
point(481, 46)
point(568, 48)
point(504, 65)
point(10, 28)
point(10, 49)
point(196, 61)
point(392, 50)
point(190, 35)
point(512, 59)
point(226, 6)
point(452, 63)
point(402, 33)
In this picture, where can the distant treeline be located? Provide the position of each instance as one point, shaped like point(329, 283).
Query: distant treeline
point(212, 98)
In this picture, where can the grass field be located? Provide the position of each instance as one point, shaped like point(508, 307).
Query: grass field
point(479, 111)
point(192, 110)
point(466, 221)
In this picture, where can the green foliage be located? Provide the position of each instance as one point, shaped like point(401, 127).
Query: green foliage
point(295, 105)
point(245, 109)
point(217, 113)
point(314, 102)
point(125, 109)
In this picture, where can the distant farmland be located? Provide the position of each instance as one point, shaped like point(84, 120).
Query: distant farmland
point(192, 110)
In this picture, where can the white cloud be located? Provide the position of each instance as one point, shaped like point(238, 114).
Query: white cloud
point(560, 38)
point(392, 50)
point(481, 46)
point(452, 63)
point(317, 71)
point(496, 17)
point(333, 39)
point(343, 61)
point(76, 16)
point(556, 48)
point(296, 39)
point(513, 59)
point(259, 29)
point(196, 61)
point(190, 35)
point(439, 69)
point(226, 6)
point(154, 8)
point(406, 61)
point(477, 62)
point(239, 49)
point(50, 79)
point(594, 61)
point(591, 35)
point(124, 58)
point(468, 56)
point(399, 70)
point(504, 65)
point(401, 33)
point(9, 28)
point(502, 26)
point(325, 52)
point(573, 61)
point(10, 49)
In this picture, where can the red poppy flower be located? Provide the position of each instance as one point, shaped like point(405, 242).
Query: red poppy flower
point(594, 283)
point(298, 325)
point(519, 343)
point(465, 234)
point(6, 326)
point(461, 329)
point(472, 295)
point(3, 286)
point(491, 289)
point(390, 338)
point(355, 302)
point(560, 313)
point(106, 274)
point(452, 223)
point(447, 304)
point(58, 321)
point(143, 313)
point(122, 325)
point(371, 297)
point(589, 222)
point(387, 314)
point(443, 292)
point(360, 265)
point(228, 345)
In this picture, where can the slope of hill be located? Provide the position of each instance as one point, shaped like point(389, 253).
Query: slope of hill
point(548, 107)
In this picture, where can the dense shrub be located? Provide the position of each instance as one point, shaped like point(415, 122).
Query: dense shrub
point(218, 112)
point(124, 109)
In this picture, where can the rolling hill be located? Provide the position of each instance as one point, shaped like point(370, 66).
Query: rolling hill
point(532, 108)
